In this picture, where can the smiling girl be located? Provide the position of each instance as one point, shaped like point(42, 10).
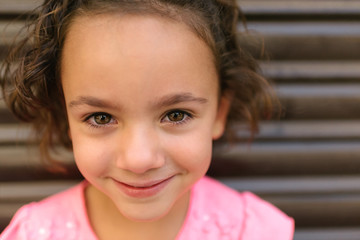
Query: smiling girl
point(139, 90)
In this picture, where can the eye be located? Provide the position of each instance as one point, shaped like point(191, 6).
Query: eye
point(102, 118)
point(177, 117)
point(99, 119)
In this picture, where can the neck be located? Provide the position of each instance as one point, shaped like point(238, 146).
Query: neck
point(108, 223)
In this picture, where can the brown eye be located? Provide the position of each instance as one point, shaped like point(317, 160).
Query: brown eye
point(102, 118)
point(176, 116)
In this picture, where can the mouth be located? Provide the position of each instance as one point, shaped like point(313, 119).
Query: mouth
point(143, 189)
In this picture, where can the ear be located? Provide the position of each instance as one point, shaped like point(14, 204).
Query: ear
point(221, 117)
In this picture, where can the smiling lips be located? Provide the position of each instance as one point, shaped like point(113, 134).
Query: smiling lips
point(143, 190)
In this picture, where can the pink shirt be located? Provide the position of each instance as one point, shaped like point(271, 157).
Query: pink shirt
point(216, 212)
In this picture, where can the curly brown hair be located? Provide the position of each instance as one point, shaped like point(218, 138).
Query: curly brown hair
point(34, 93)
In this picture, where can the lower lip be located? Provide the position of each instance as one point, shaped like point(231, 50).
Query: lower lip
point(143, 192)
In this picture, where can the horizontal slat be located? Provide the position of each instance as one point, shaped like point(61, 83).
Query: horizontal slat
point(303, 47)
point(18, 156)
point(23, 163)
point(15, 133)
point(312, 201)
point(31, 191)
point(339, 210)
point(18, 6)
point(321, 102)
point(296, 185)
point(327, 234)
point(292, 151)
point(30, 153)
point(278, 7)
point(6, 117)
point(249, 7)
point(308, 28)
point(27, 156)
point(9, 30)
point(304, 130)
point(350, 91)
point(284, 158)
point(313, 70)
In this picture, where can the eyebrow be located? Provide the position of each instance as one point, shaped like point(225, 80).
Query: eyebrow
point(164, 101)
point(91, 101)
point(178, 98)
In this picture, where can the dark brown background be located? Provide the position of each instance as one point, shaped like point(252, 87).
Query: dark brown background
point(307, 162)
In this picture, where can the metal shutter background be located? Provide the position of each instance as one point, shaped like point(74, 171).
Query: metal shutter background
point(307, 163)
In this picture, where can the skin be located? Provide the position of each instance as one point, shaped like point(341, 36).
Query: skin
point(143, 106)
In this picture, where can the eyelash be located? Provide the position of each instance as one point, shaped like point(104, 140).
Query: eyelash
point(187, 117)
point(91, 122)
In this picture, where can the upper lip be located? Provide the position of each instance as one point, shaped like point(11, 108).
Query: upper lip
point(140, 184)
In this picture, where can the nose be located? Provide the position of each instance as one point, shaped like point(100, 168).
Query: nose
point(140, 150)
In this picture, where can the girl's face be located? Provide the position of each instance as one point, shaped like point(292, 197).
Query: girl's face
point(143, 107)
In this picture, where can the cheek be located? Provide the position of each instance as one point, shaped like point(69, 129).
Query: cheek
point(92, 156)
point(192, 152)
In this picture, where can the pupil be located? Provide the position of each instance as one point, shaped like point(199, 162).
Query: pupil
point(176, 116)
point(102, 119)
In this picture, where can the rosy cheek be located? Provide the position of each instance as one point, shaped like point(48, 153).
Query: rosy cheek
point(191, 152)
point(91, 156)
point(203, 151)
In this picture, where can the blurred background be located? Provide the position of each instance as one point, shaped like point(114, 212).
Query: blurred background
point(307, 162)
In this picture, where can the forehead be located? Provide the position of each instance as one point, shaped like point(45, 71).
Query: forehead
point(118, 21)
point(112, 50)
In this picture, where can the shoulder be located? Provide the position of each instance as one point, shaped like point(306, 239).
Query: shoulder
point(263, 220)
point(243, 215)
point(208, 189)
point(55, 217)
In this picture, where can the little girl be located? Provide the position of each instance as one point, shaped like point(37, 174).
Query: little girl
point(139, 89)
